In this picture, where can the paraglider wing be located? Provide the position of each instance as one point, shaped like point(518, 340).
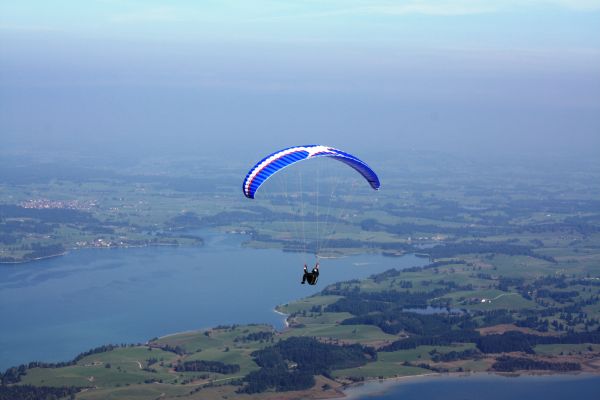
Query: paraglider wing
point(275, 162)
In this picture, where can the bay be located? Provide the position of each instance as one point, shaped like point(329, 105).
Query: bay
point(478, 386)
point(53, 309)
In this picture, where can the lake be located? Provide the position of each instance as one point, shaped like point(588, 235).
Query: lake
point(476, 387)
point(53, 309)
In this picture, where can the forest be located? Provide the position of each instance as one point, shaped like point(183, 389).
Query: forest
point(292, 363)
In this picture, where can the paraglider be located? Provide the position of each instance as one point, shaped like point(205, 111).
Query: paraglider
point(272, 164)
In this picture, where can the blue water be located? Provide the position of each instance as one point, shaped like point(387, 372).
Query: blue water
point(488, 387)
point(53, 309)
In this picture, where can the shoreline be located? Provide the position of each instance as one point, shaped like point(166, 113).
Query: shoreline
point(388, 382)
point(285, 320)
point(92, 247)
point(378, 386)
point(341, 255)
point(35, 259)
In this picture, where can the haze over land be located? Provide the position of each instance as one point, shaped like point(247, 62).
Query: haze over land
point(150, 77)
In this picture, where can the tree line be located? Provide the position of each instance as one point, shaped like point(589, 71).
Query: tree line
point(30, 392)
point(511, 364)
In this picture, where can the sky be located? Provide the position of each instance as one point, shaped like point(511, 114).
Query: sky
point(246, 77)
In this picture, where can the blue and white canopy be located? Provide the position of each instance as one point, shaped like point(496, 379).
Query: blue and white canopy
point(273, 163)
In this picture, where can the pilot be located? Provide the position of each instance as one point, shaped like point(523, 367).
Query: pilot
point(311, 277)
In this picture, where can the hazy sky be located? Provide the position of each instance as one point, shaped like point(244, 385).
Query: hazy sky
point(149, 76)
